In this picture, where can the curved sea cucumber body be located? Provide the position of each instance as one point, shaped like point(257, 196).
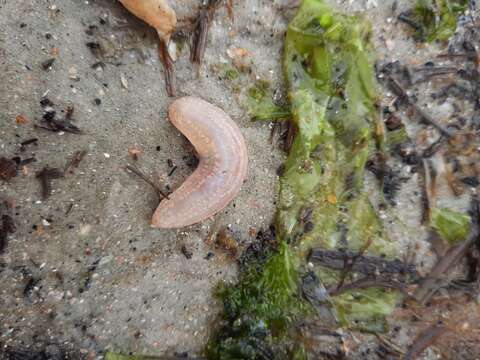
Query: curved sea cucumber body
point(221, 171)
point(156, 13)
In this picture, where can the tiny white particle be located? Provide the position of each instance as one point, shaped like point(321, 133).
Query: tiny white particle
point(124, 81)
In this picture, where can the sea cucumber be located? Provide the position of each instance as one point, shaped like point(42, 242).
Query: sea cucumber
point(221, 171)
point(156, 13)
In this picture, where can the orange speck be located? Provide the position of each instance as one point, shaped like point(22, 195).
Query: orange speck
point(21, 119)
point(40, 230)
point(134, 152)
point(53, 51)
point(332, 199)
point(237, 52)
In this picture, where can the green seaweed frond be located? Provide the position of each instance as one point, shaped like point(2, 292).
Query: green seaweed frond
point(435, 19)
point(452, 226)
point(260, 103)
point(328, 64)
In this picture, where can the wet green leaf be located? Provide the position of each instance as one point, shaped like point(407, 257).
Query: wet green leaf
point(366, 310)
point(396, 137)
point(230, 73)
point(328, 64)
point(260, 103)
point(450, 225)
point(435, 19)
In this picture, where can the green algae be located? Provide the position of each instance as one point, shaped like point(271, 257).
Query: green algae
point(328, 64)
point(395, 138)
point(452, 226)
point(260, 104)
point(230, 73)
point(265, 300)
point(435, 19)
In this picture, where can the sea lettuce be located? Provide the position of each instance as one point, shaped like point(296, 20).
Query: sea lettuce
point(328, 65)
point(452, 226)
point(435, 19)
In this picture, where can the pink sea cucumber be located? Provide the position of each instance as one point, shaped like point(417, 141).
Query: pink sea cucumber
point(221, 171)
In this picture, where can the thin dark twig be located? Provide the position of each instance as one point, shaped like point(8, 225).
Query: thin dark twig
point(406, 18)
point(229, 6)
point(290, 136)
point(392, 347)
point(168, 68)
point(29, 141)
point(434, 148)
point(75, 161)
point(292, 4)
point(425, 73)
point(23, 162)
point(60, 125)
point(349, 262)
point(398, 89)
point(46, 175)
point(427, 338)
point(368, 282)
point(272, 132)
point(454, 254)
point(51, 123)
point(429, 176)
point(69, 209)
point(200, 33)
point(367, 265)
point(172, 171)
point(451, 56)
point(7, 225)
point(161, 194)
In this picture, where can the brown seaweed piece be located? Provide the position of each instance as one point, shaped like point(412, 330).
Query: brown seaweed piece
point(46, 175)
point(8, 169)
point(425, 339)
point(201, 28)
point(364, 264)
point(7, 225)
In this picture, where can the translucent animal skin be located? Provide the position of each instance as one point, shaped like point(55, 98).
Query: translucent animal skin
point(221, 171)
point(156, 13)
